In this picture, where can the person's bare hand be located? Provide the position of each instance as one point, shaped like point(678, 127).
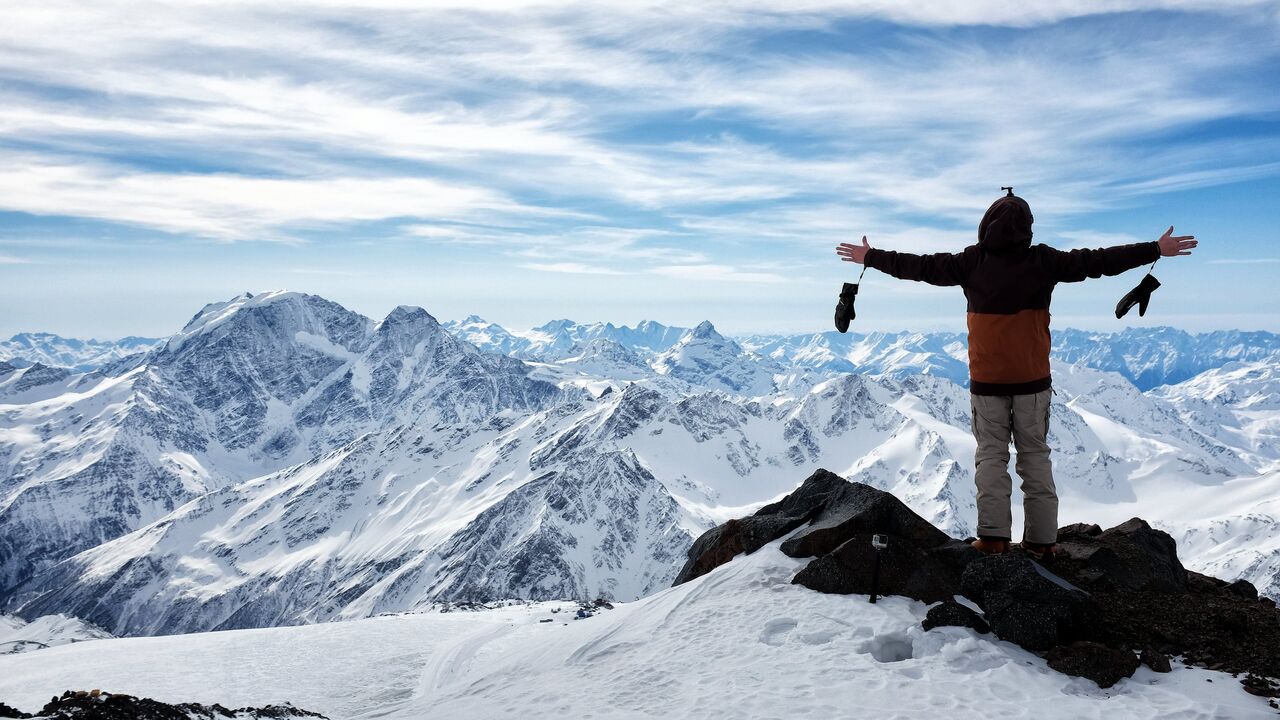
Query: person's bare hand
point(1171, 244)
point(849, 252)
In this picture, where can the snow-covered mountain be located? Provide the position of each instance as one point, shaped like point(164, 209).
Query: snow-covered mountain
point(705, 358)
point(249, 386)
point(282, 460)
point(83, 355)
point(561, 338)
point(19, 636)
point(1147, 357)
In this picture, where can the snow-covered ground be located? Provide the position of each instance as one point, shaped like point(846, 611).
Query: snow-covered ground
point(740, 641)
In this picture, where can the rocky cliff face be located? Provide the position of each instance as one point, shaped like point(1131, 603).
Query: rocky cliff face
point(1108, 596)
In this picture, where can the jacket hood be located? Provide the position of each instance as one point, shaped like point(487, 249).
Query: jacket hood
point(1007, 225)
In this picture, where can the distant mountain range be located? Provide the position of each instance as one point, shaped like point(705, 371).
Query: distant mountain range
point(26, 349)
point(283, 460)
point(1147, 357)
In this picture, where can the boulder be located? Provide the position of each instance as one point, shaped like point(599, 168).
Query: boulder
point(7, 711)
point(1157, 661)
point(858, 509)
point(1028, 605)
point(1243, 588)
point(1099, 663)
point(1131, 556)
point(905, 569)
point(720, 544)
point(949, 613)
point(833, 513)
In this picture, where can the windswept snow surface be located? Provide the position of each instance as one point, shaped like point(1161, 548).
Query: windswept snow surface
point(741, 641)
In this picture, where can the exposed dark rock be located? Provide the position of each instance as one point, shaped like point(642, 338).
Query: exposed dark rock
point(1157, 661)
point(1130, 556)
point(1261, 686)
point(1122, 589)
point(905, 570)
point(720, 544)
point(1099, 663)
point(952, 614)
point(96, 705)
point(7, 711)
point(1028, 605)
point(854, 509)
point(1086, 529)
point(1244, 589)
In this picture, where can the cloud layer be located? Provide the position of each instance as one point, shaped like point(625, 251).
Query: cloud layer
point(711, 142)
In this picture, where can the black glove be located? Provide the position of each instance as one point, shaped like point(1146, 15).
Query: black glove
point(844, 308)
point(1139, 296)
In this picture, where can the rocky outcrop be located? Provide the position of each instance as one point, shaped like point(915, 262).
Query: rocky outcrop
point(949, 613)
point(98, 705)
point(1028, 605)
point(927, 574)
point(720, 544)
point(1108, 596)
point(839, 519)
point(1101, 664)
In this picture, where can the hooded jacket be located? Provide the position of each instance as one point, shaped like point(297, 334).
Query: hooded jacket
point(1008, 283)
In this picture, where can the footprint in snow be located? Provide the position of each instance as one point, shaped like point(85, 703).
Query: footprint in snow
point(776, 631)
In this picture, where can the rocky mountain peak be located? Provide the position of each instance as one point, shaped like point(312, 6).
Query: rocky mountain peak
point(705, 331)
point(407, 317)
point(272, 317)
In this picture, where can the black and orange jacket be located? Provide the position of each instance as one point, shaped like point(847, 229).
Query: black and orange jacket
point(1008, 283)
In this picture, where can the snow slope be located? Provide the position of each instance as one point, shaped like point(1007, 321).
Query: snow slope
point(19, 636)
point(740, 641)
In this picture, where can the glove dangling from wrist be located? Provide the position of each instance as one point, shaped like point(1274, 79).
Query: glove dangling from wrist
point(844, 308)
point(1139, 296)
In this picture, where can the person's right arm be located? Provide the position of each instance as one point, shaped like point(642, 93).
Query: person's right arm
point(1077, 265)
point(935, 269)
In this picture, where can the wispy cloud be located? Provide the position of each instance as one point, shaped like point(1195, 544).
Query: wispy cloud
point(11, 260)
point(573, 268)
point(323, 272)
point(1245, 261)
point(717, 273)
point(679, 140)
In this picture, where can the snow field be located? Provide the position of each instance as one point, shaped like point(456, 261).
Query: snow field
point(740, 641)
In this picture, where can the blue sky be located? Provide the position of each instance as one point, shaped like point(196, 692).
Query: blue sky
point(676, 162)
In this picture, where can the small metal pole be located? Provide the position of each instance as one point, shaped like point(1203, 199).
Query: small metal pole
point(879, 542)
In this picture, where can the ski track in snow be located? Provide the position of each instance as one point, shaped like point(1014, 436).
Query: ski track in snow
point(741, 641)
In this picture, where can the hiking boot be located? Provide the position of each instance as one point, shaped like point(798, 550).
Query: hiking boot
point(991, 546)
point(1040, 553)
point(844, 308)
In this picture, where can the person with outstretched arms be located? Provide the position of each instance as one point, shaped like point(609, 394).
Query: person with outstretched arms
point(1008, 283)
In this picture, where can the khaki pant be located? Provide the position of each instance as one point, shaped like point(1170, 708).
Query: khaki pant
point(1026, 418)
